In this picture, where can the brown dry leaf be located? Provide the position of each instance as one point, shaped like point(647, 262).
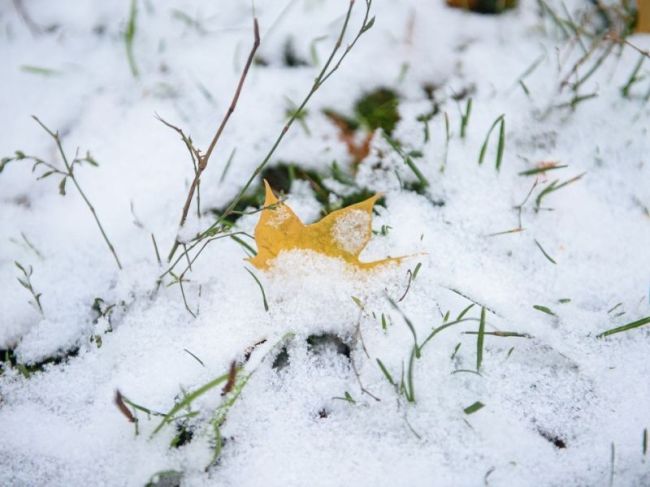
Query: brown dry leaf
point(343, 233)
point(358, 151)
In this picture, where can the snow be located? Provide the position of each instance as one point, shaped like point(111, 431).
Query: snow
point(350, 231)
point(292, 425)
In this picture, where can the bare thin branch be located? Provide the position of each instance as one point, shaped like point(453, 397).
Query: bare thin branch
point(203, 160)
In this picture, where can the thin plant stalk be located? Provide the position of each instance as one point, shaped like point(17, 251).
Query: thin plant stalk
point(203, 160)
point(70, 174)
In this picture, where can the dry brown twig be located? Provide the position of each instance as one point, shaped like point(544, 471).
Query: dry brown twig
point(203, 159)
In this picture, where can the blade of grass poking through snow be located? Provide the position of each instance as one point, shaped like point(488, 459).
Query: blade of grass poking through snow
point(464, 119)
point(464, 312)
point(614, 308)
point(328, 69)
point(447, 139)
point(249, 250)
point(409, 324)
point(543, 168)
point(194, 357)
point(129, 36)
point(577, 99)
point(187, 401)
point(597, 64)
point(539, 246)
point(220, 414)
point(409, 389)
point(155, 248)
point(501, 144)
point(633, 78)
point(384, 370)
point(629, 326)
point(346, 397)
point(554, 186)
point(408, 160)
point(479, 341)
point(266, 305)
point(147, 411)
point(235, 380)
point(544, 309)
point(26, 68)
point(471, 409)
point(384, 322)
point(442, 327)
point(411, 278)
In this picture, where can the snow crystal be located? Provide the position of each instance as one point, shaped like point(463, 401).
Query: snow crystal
point(350, 231)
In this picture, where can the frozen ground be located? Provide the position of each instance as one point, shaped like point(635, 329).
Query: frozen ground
point(561, 406)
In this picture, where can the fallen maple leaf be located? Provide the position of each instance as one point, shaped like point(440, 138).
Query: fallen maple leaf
point(343, 233)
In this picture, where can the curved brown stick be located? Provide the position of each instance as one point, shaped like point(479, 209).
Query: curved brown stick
point(203, 160)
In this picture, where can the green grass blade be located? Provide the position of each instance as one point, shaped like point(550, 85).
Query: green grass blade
point(626, 327)
point(471, 409)
point(502, 143)
point(539, 246)
point(481, 155)
point(544, 309)
point(479, 341)
point(266, 305)
point(129, 36)
point(386, 373)
point(543, 169)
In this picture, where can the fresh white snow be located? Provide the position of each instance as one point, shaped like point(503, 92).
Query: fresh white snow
point(561, 406)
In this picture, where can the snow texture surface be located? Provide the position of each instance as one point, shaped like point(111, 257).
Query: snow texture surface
point(336, 391)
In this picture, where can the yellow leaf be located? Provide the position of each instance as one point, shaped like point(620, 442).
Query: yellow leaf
point(342, 234)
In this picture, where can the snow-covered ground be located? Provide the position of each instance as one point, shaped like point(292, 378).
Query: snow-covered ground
point(560, 405)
